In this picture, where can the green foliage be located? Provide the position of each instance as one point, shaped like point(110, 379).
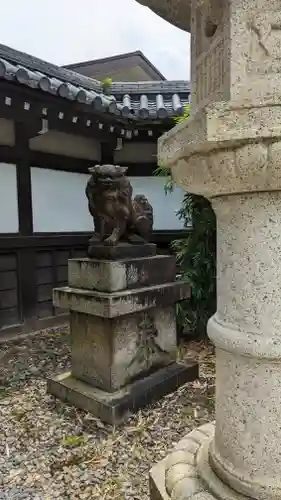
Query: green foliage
point(3, 393)
point(196, 256)
point(72, 441)
point(162, 171)
point(182, 118)
point(106, 85)
point(18, 414)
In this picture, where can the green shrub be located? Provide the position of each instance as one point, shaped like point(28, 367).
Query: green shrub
point(106, 85)
point(72, 441)
point(196, 257)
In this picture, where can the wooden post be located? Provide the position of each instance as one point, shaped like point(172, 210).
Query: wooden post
point(27, 255)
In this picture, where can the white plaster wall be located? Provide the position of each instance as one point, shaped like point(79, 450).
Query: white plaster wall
point(60, 204)
point(7, 132)
point(165, 206)
point(74, 146)
point(59, 201)
point(9, 199)
point(136, 152)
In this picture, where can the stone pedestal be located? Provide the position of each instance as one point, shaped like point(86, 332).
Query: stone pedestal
point(241, 452)
point(123, 335)
point(230, 152)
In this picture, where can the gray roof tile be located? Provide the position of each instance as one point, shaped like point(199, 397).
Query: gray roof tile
point(137, 101)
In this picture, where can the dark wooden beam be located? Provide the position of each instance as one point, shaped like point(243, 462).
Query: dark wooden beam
point(23, 179)
point(60, 162)
point(46, 160)
point(107, 153)
point(69, 164)
point(140, 169)
point(80, 128)
point(66, 240)
point(33, 120)
point(41, 105)
point(113, 125)
point(43, 240)
point(31, 327)
point(150, 132)
point(26, 258)
point(9, 154)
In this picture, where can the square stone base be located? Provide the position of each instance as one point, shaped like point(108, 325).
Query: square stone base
point(121, 251)
point(114, 276)
point(113, 408)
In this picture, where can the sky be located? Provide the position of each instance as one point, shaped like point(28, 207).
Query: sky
point(68, 31)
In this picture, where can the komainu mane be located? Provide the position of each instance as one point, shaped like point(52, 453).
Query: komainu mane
point(116, 215)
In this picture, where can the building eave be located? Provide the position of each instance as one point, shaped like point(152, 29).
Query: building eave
point(141, 102)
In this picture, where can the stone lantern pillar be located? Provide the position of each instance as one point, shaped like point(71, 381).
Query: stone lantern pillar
point(230, 152)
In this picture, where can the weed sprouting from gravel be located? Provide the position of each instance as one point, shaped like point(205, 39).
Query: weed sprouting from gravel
point(49, 450)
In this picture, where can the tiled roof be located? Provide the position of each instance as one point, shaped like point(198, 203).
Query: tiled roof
point(140, 101)
point(152, 100)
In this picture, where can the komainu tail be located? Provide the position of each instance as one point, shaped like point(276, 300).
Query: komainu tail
point(143, 208)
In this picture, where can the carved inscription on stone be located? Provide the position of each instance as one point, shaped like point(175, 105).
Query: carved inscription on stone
point(199, 37)
point(208, 21)
point(148, 350)
point(209, 66)
point(265, 43)
point(210, 72)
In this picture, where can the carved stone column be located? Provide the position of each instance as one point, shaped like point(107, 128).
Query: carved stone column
point(230, 152)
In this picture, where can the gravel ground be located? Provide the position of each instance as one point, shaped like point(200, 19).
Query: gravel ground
point(49, 450)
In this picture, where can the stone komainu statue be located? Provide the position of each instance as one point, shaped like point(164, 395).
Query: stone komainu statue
point(116, 215)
